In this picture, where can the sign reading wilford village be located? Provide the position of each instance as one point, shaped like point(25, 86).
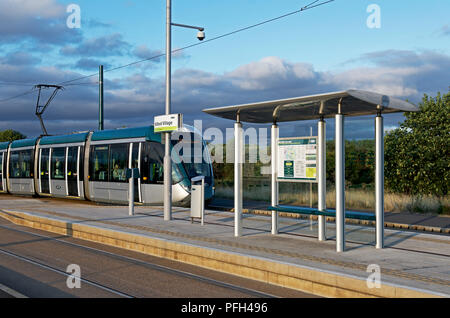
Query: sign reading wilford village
point(297, 159)
point(165, 123)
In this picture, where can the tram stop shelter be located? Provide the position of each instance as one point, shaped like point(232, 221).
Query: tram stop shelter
point(321, 106)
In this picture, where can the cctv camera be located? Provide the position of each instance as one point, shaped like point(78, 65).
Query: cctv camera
point(201, 35)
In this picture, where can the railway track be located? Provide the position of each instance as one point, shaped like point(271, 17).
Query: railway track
point(128, 259)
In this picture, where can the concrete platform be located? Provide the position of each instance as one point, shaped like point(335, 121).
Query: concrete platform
point(413, 264)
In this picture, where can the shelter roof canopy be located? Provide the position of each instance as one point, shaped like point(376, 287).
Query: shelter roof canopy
point(352, 103)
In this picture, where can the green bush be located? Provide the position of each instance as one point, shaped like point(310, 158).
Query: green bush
point(417, 153)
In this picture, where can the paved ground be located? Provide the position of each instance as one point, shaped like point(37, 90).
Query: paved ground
point(418, 260)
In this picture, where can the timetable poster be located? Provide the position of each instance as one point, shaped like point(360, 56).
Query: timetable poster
point(297, 159)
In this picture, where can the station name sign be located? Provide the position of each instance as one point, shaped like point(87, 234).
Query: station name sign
point(166, 123)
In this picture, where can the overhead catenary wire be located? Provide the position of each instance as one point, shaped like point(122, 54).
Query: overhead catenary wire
point(17, 96)
point(309, 6)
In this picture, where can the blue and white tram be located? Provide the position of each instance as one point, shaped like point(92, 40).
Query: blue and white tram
point(91, 166)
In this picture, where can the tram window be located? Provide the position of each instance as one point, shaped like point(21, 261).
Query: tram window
point(98, 163)
point(5, 156)
point(21, 163)
point(58, 163)
point(44, 162)
point(135, 156)
point(81, 160)
point(72, 155)
point(176, 174)
point(152, 163)
point(14, 171)
point(118, 162)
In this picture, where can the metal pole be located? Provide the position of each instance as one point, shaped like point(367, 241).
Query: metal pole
point(340, 183)
point(131, 195)
point(379, 181)
point(322, 184)
point(167, 159)
point(274, 183)
point(100, 98)
point(238, 179)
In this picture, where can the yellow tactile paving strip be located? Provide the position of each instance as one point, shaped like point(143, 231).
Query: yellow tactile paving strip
point(348, 265)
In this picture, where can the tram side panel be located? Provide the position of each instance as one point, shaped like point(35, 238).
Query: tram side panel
point(107, 178)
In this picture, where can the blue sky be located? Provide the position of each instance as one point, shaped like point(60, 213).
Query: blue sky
point(324, 49)
point(327, 37)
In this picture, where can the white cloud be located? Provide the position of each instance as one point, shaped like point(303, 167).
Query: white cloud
point(268, 71)
point(31, 8)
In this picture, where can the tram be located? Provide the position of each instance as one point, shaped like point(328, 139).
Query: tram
point(91, 166)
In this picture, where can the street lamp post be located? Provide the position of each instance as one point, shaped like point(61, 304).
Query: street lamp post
point(167, 159)
point(167, 135)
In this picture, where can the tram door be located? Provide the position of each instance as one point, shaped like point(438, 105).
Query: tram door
point(1, 171)
point(44, 177)
point(135, 164)
point(72, 173)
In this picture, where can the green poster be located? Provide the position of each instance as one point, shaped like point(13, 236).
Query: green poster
point(288, 169)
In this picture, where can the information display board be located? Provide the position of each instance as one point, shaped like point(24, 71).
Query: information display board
point(297, 159)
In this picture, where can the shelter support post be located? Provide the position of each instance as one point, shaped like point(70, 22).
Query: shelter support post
point(274, 182)
point(379, 181)
point(322, 189)
point(340, 182)
point(238, 162)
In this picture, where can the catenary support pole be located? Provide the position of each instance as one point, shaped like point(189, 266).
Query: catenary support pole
point(321, 176)
point(100, 98)
point(379, 181)
point(238, 162)
point(167, 158)
point(274, 182)
point(340, 182)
